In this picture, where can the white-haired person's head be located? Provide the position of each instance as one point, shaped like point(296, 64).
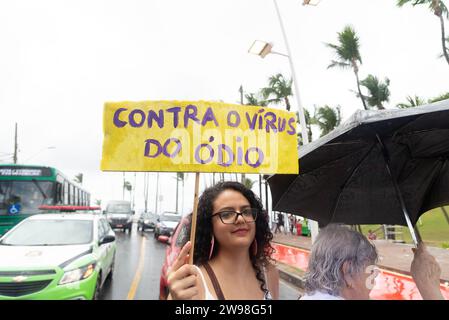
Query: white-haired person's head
point(341, 265)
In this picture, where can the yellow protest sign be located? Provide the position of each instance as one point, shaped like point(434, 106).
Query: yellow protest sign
point(198, 136)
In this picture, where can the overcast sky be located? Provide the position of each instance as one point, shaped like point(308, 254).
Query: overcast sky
point(61, 60)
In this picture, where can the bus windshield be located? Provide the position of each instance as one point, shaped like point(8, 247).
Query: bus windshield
point(50, 233)
point(119, 208)
point(29, 194)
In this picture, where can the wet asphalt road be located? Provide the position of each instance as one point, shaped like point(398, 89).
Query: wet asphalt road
point(131, 260)
point(127, 262)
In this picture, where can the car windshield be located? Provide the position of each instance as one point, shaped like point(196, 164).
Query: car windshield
point(170, 218)
point(50, 233)
point(28, 194)
point(119, 208)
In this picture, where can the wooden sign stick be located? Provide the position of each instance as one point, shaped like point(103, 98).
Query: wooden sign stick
point(194, 215)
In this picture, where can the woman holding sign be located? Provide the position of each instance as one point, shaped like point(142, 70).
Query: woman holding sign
point(232, 250)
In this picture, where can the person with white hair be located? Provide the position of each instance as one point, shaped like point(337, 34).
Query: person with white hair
point(342, 267)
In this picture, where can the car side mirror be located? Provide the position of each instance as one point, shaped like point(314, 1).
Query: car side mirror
point(107, 239)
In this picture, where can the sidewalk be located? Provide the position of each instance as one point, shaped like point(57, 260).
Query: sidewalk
point(392, 256)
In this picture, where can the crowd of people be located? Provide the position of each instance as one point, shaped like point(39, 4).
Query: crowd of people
point(233, 256)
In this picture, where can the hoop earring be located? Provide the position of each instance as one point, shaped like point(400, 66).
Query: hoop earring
point(254, 248)
point(212, 243)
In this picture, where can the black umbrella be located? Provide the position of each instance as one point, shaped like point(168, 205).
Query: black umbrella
point(379, 167)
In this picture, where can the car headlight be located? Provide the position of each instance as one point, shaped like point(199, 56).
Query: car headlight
point(146, 221)
point(78, 274)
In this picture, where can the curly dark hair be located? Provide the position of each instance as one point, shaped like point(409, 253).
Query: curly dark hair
point(204, 231)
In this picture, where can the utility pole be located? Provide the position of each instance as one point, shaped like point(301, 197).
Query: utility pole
point(241, 102)
point(134, 192)
point(182, 201)
point(177, 187)
point(157, 192)
point(15, 146)
point(123, 195)
point(145, 190)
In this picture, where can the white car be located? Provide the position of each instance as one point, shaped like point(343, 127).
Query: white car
point(166, 224)
point(57, 256)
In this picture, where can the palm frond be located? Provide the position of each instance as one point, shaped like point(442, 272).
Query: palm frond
point(438, 10)
point(347, 50)
point(248, 182)
point(278, 90)
point(274, 101)
point(401, 3)
point(378, 91)
point(332, 46)
point(327, 118)
point(441, 97)
point(127, 185)
point(411, 102)
point(253, 99)
point(437, 7)
point(266, 92)
point(79, 178)
point(343, 65)
point(180, 176)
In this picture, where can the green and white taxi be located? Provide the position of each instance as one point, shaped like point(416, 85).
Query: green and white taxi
point(57, 256)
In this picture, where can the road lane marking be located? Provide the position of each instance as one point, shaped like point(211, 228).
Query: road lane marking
point(138, 275)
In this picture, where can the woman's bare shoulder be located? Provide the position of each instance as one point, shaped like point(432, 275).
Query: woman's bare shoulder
point(273, 280)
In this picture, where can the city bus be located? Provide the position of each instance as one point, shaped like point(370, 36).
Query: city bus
point(24, 188)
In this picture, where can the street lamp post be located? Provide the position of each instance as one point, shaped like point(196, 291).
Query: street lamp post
point(262, 49)
point(302, 118)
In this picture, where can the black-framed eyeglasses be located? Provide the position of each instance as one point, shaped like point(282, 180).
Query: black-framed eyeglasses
point(231, 216)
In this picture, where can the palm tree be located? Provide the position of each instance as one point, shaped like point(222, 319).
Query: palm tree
point(309, 122)
point(411, 102)
point(378, 91)
point(441, 97)
point(439, 9)
point(79, 178)
point(418, 101)
point(278, 90)
point(327, 118)
point(128, 186)
point(248, 183)
point(123, 187)
point(253, 99)
point(348, 55)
